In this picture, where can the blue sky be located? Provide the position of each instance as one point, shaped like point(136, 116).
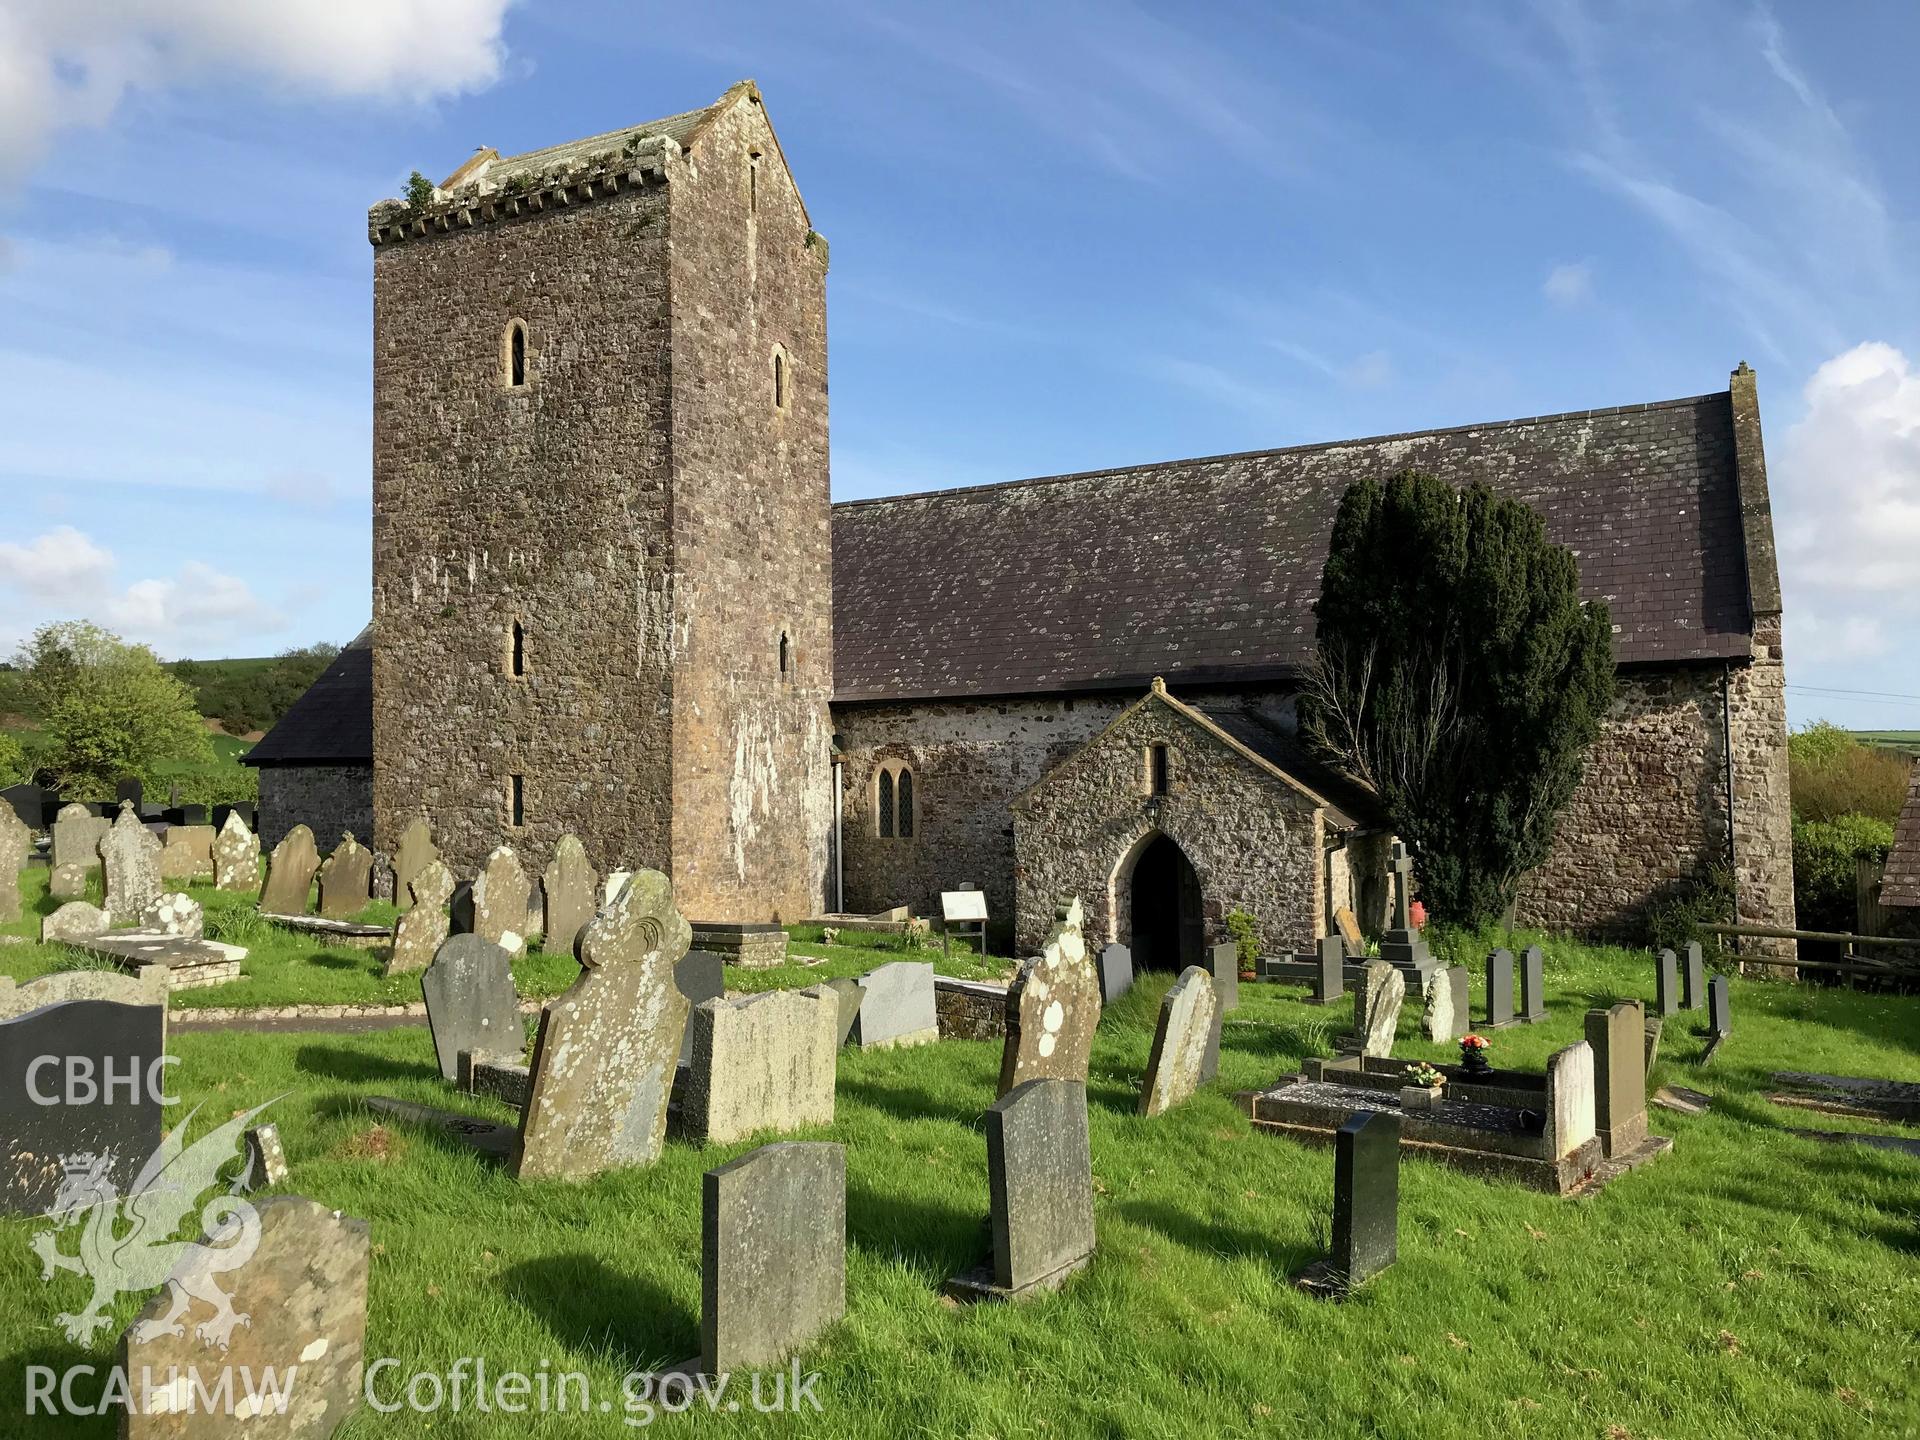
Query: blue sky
point(1064, 236)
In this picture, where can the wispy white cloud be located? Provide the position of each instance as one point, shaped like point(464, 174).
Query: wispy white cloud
point(1569, 283)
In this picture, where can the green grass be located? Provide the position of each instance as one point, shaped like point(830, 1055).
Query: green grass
point(1907, 740)
point(1750, 1283)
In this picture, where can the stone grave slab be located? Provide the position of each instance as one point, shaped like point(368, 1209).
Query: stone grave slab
point(1052, 1008)
point(1116, 973)
point(290, 872)
point(898, 1009)
point(489, 1137)
point(236, 856)
point(302, 1289)
point(1376, 1008)
point(349, 933)
point(187, 963)
point(471, 1003)
point(762, 1063)
point(1654, 1026)
point(571, 888)
point(346, 879)
point(424, 926)
point(131, 857)
point(1329, 980)
point(1861, 1095)
point(751, 947)
point(1189, 1015)
point(1366, 1205)
point(1040, 1175)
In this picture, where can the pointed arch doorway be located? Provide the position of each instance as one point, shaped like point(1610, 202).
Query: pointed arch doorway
point(1168, 930)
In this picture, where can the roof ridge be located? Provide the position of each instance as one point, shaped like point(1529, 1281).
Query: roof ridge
point(995, 486)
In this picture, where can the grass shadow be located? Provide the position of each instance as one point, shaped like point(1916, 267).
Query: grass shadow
point(908, 1102)
point(339, 1063)
point(61, 1357)
point(938, 1240)
point(587, 1305)
point(1193, 1231)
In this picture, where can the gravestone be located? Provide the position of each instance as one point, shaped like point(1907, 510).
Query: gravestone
point(898, 1009)
point(1366, 1200)
point(77, 833)
point(765, 1062)
point(290, 872)
point(1499, 990)
point(1618, 1037)
point(1116, 973)
point(1533, 985)
point(1448, 1004)
point(773, 1254)
point(187, 853)
point(74, 922)
point(1719, 1016)
point(28, 802)
point(570, 887)
point(494, 906)
point(471, 1003)
point(68, 882)
point(236, 856)
point(266, 1158)
point(604, 1062)
point(414, 853)
point(849, 993)
point(701, 975)
point(1330, 970)
point(56, 1102)
point(175, 915)
point(1040, 1174)
point(129, 792)
point(15, 841)
point(1403, 946)
point(131, 858)
point(346, 879)
point(1223, 962)
point(303, 1289)
point(1188, 1015)
point(1666, 984)
point(1693, 989)
point(1052, 1008)
point(423, 928)
point(1654, 1026)
point(1347, 925)
point(1376, 1008)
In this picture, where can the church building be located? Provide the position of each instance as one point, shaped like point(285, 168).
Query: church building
point(612, 596)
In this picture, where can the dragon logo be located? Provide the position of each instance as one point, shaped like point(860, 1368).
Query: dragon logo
point(127, 1241)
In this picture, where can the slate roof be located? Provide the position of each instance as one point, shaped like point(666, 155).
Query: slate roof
point(1352, 805)
point(1206, 570)
point(678, 128)
point(332, 724)
point(1900, 880)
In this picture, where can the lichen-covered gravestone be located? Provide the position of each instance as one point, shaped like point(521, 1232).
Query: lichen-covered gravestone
point(494, 906)
point(1619, 1039)
point(1188, 1013)
point(346, 880)
point(15, 841)
point(131, 857)
point(571, 886)
point(424, 928)
point(187, 853)
point(1040, 1176)
point(236, 856)
point(414, 853)
point(303, 1288)
point(1447, 1001)
point(773, 1261)
point(1376, 1008)
point(73, 922)
point(471, 1003)
point(604, 1063)
point(77, 833)
point(176, 915)
point(290, 871)
point(1052, 1008)
point(68, 882)
point(266, 1158)
point(765, 1062)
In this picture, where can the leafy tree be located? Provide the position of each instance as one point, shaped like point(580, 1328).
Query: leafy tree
point(109, 709)
point(1460, 674)
point(13, 762)
point(1834, 776)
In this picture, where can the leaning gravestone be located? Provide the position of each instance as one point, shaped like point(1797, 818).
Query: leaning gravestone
point(1719, 1016)
point(898, 1008)
point(74, 922)
point(494, 906)
point(413, 854)
point(1693, 989)
point(80, 1079)
point(424, 927)
point(845, 988)
point(1376, 1008)
point(1447, 997)
point(1618, 1037)
point(131, 857)
point(571, 887)
point(77, 833)
point(773, 1254)
point(1052, 1008)
point(471, 1004)
point(1116, 973)
point(294, 1305)
point(346, 879)
point(604, 1063)
point(1040, 1174)
point(1223, 961)
point(290, 871)
point(1188, 1015)
point(1533, 985)
point(1666, 984)
point(266, 1158)
point(15, 841)
point(766, 1062)
point(236, 856)
point(1366, 1204)
point(1499, 990)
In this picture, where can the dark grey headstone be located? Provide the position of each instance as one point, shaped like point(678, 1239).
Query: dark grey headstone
point(1040, 1171)
point(1224, 963)
point(1666, 984)
point(47, 1111)
point(700, 975)
point(129, 789)
point(1693, 989)
point(471, 1003)
point(1619, 1040)
point(773, 1254)
point(898, 1009)
point(1116, 973)
point(1533, 985)
point(1499, 988)
point(1330, 970)
point(1719, 1015)
point(1366, 1196)
point(29, 802)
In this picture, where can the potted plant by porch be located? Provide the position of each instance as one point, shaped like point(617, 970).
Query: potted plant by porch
point(1473, 1055)
point(1424, 1089)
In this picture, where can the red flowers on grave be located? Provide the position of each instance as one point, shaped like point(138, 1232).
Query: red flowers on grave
point(1473, 1054)
point(1417, 913)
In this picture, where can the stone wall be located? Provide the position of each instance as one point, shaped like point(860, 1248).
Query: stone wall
point(328, 799)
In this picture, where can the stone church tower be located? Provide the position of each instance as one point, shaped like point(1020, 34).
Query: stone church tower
point(602, 564)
